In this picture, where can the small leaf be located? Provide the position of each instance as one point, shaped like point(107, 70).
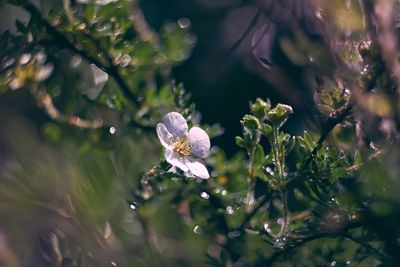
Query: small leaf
point(266, 130)
point(239, 141)
point(250, 122)
point(309, 141)
point(290, 145)
point(259, 156)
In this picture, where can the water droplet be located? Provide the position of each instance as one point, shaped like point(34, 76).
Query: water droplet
point(234, 234)
point(133, 205)
point(184, 23)
point(197, 230)
point(190, 39)
point(333, 263)
point(319, 13)
point(82, 26)
point(280, 243)
point(224, 192)
point(125, 60)
point(75, 61)
point(266, 228)
point(205, 195)
point(112, 130)
point(229, 210)
point(107, 230)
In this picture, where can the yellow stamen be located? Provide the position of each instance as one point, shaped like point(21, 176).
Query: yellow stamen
point(182, 146)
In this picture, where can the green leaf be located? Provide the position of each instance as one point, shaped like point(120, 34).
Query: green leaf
point(309, 140)
point(239, 141)
point(290, 145)
point(279, 114)
point(260, 107)
point(266, 130)
point(250, 122)
point(90, 11)
point(259, 155)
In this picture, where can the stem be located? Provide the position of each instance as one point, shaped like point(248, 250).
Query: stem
point(327, 128)
point(279, 158)
point(46, 102)
point(252, 174)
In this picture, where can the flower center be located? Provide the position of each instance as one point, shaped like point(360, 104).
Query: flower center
point(182, 146)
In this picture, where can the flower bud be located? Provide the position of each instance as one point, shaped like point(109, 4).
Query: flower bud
point(279, 114)
point(250, 122)
point(260, 107)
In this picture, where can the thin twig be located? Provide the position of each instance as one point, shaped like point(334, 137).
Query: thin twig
point(142, 27)
point(327, 128)
point(302, 241)
point(254, 211)
point(46, 102)
point(367, 246)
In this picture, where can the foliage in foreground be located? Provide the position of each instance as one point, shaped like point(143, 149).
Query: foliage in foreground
point(91, 189)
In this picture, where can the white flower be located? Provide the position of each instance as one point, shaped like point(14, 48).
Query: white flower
point(183, 148)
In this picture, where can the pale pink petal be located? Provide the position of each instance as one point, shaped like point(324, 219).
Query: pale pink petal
point(176, 160)
point(199, 141)
point(176, 124)
point(197, 168)
point(164, 136)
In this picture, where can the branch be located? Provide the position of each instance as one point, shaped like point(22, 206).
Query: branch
point(327, 128)
point(305, 240)
point(246, 32)
point(253, 212)
point(46, 102)
point(141, 26)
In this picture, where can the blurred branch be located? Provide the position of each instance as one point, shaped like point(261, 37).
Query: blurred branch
point(254, 211)
point(244, 35)
point(63, 42)
point(367, 246)
point(142, 27)
point(384, 11)
point(46, 102)
point(305, 240)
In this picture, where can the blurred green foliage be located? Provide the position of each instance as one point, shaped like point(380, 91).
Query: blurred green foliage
point(86, 185)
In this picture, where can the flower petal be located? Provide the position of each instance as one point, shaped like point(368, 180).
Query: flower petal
point(176, 124)
point(199, 141)
point(164, 136)
point(176, 160)
point(197, 168)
